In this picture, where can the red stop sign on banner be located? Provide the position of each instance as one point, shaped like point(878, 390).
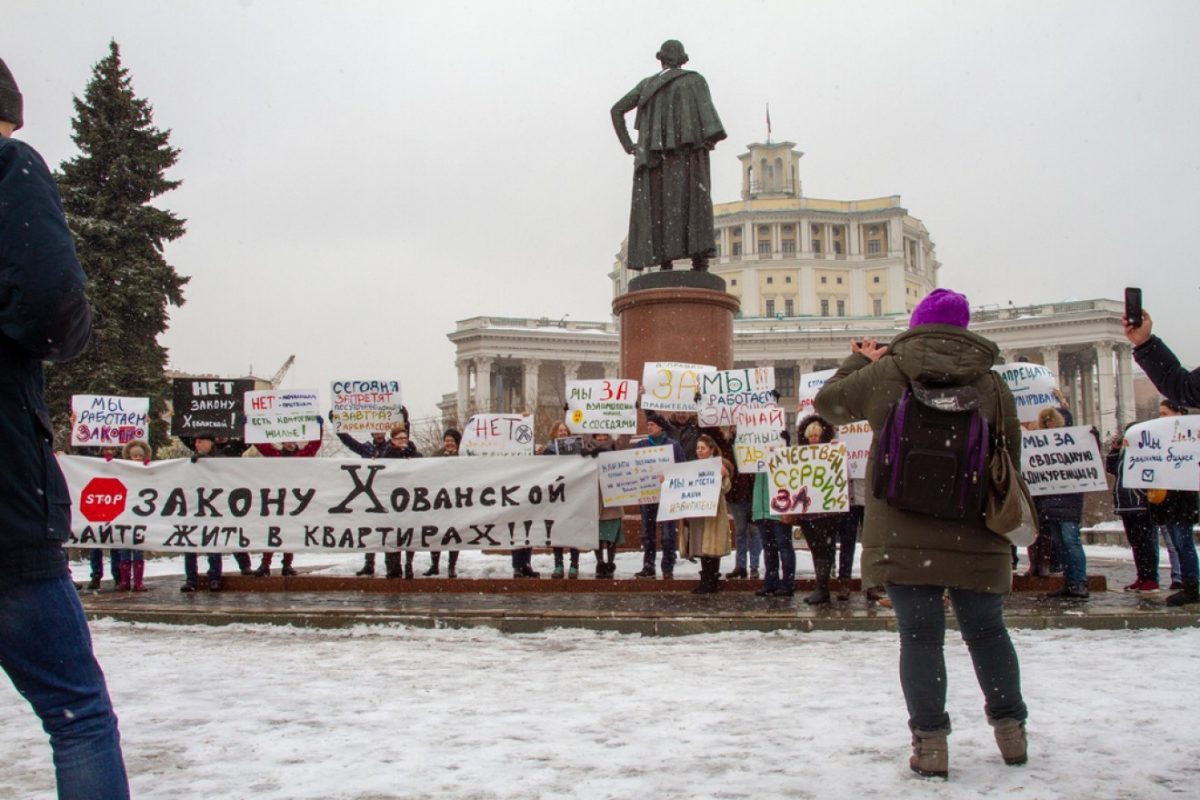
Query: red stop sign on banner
point(102, 500)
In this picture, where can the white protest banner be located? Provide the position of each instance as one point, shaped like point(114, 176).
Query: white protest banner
point(603, 406)
point(630, 477)
point(333, 504)
point(810, 479)
point(758, 434)
point(806, 391)
point(723, 392)
point(671, 386)
point(1032, 386)
point(1163, 454)
point(857, 438)
point(1062, 461)
point(98, 420)
point(365, 406)
point(690, 489)
point(498, 435)
point(282, 415)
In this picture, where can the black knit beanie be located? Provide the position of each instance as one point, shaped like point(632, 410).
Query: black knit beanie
point(10, 98)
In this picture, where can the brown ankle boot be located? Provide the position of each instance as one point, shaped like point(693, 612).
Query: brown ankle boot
point(1010, 738)
point(931, 754)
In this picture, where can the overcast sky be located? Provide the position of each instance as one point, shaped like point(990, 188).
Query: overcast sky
point(359, 176)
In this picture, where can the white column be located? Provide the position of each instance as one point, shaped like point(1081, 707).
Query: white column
point(1050, 359)
point(483, 384)
point(1126, 411)
point(1087, 400)
point(853, 232)
point(464, 389)
point(529, 384)
point(805, 237)
point(1106, 377)
point(895, 236)
point(570, 371)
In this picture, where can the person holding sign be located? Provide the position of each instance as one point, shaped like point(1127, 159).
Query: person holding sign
point(559, 436)
point(131, 564)
point(204, 446)
point(918, 556)
point(708, 537)
point(611, 519)
point(656, 436)
point(1175, 512)
point(1130, 505)
point(1059, 518)
point(779, 548)
point(286, 450)
point(821, 531)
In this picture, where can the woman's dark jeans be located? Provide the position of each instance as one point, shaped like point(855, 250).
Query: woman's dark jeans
point(1143, 540)
point(779, 555)
point(922, 622)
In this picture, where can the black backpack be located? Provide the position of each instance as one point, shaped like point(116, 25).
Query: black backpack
point(933, 452)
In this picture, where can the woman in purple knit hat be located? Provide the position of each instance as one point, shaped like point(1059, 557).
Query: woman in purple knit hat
point(919, 557)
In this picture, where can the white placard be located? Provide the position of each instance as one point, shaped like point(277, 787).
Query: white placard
point(1163, 454)
point(104, 420)
point(497, 435)
point(723, 392)
point(603, 406)
point(806, 391)
point(1062, 461)
point(1032, 386)
point(758, 434)
point(810, 479)
point(333, 504)
point(857, 438)
point(672, 386)
point(365, 406)
point(690, 489)
point(274, 416)
point(630, 477)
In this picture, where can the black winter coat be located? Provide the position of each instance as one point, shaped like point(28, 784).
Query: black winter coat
point(44, 316)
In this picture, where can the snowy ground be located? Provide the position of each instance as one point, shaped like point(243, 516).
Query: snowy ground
point(274, 712)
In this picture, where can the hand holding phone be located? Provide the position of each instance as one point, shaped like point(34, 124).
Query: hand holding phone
point(1133, 306)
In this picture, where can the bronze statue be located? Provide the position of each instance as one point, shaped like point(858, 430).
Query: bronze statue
point(671, 215)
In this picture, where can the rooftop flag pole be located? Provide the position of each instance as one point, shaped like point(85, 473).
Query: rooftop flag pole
point(768, 122)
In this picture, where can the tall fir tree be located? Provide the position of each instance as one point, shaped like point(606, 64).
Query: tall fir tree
point(106, 192)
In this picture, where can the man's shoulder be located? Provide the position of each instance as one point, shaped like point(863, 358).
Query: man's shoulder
point(15, 152)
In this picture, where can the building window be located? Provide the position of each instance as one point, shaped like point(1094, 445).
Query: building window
point(764, 247)
point(733, 282)
point(839, 280)
point(837, 247)
point(877, 306)
point(764, 230)
point(841, 308)
point(789, 245)
point(770, 308)
point(788, 279)
point(718, 249)
point(817, 246)
point(789, 308)
point(824, 279)
point(770, 279)
point(785, 381)
point(875, 279)
point(824, 308)
point(874, 246)
point(737, 248)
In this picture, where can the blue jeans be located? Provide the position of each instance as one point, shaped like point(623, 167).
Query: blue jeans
point(1172, 552)
point(1180, 535)
point(745, 536)
point(1066, 533)
point(46, 650)
point(96, 557)
point(779, 554)
point(191, 561)
point(922, 623)
point(667, 530)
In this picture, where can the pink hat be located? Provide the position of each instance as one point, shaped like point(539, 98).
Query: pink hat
point(941, 307)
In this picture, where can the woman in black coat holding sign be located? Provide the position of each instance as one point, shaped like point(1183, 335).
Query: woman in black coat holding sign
point(1059, 517)
point(821, 531)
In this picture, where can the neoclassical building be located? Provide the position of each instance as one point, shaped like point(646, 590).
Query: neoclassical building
point(810, 275)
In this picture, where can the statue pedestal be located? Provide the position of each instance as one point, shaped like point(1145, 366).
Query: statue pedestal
point(680, 317)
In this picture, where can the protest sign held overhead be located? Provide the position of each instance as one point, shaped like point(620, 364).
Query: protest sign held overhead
point(631, 477)
point(857, 438)
point(671, 386)
point(497, 435)
point(602, 406)
point(208, 407)
point(806, 390)
point(274, 416)
point(690, 489)
point(1033, 388)
point(1163, 454)
point(104, 420)
point(1062, 461)
point(365, 406)
point(722, 393)
point(810, 479)
point(294, 504)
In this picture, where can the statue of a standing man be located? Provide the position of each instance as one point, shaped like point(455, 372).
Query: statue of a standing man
point(671, 215)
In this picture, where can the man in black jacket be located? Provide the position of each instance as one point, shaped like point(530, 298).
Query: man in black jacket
point(45, 646)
